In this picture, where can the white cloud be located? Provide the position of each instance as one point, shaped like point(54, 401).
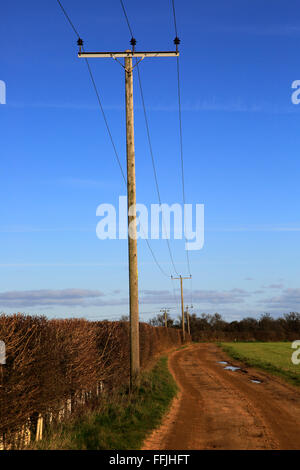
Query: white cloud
point(93, 298)
point(47, 297)
point(208, 297)
point(288, 300)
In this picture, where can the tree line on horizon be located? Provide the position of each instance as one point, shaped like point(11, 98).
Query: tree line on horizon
point(215, 327)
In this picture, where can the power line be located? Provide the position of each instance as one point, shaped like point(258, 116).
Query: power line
point(176, 41)
point(107, 127)
point(126, 17)
point(154, 257)
point(96, 91)
point(68, 18)
point(149, 139)
point(174, 294)
point(105, 120)
point(153, 163)
point(174, 15)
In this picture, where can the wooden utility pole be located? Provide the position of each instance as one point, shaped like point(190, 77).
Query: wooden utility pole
point(188, 318)
point(182, 304)
point(165, 311)
point(132, 233)
point(131, 191)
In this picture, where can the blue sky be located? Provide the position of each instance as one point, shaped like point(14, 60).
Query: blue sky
point(241, 148)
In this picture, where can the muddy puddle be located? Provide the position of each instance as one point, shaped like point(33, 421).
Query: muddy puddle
point(232, 368)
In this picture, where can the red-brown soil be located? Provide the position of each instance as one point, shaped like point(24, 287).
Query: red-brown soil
point(222, 409)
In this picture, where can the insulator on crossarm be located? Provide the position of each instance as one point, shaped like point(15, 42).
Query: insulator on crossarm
point(133, 43)
point(80, 44)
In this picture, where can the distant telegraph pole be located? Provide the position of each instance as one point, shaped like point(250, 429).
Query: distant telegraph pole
point(131, 190)
point(188, 318)
point(165, 311)
point(182, 304)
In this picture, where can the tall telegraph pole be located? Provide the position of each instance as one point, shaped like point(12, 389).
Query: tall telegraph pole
point(165, 311)
point(182, 304)
point(132, 238)
point(188, 318)
point(131, 190)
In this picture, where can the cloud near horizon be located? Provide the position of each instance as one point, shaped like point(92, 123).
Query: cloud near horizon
point(47, 297)
point(288, 300)
point(74, 297)
point(226, 300)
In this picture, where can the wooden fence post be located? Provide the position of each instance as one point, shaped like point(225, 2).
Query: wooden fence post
point(39, 428)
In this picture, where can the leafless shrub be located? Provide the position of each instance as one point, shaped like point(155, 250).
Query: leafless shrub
point(52, 364)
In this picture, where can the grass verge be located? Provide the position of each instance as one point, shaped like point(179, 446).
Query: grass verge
point(123, 421)
point(274, 358)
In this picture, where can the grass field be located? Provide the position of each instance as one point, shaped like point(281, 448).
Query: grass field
point(272, 357)
point(123, 420)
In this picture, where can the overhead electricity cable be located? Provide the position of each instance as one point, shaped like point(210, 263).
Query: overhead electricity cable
point(177, 42)
point(149, 139)
point(174, 16)
point(153, 164)
point(126, 17)
point(80, 43)
point(96, 90)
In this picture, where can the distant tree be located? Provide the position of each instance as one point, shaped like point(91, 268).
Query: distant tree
point(212, 327)
point(159, 320)
point(124, 318)
point(217, 323)
point(292, 320)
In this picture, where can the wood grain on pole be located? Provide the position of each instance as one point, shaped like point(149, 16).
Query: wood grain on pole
point(132, 230)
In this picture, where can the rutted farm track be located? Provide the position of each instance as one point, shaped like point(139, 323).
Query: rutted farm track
point(223, 409)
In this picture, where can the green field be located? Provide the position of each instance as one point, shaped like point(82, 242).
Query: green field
point(272, 357)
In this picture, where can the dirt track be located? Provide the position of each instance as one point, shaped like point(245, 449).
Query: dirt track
point(222, 409)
